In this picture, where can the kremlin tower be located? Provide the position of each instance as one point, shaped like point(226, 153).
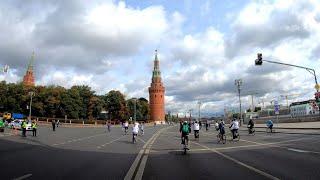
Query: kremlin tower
point(28, 79)
point(156, 94)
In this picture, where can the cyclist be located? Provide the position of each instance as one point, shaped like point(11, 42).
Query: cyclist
point(251, 126)
point(221, 129)
point(135, 131)
point(234, 126)
point(126, 126)
point(269, 124)
point(185, 130)
point(196, 128)
point(142, 128)
point(216, 125)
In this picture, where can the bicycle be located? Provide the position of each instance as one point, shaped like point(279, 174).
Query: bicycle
point(237, 135)
point(251, 131)
point(270, 130)
point(196, 135)
point(126, 130)
point(185, 143)
point(134, 140)
point(221, 138)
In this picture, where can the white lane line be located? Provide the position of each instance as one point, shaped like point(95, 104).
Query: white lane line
point(110, 142)
point(145, 157)
point(141, 140)
point(79, 139)
point(297, 150)
point(302, 151)
point(23, 177)
point(135, 164)
point(239, 162)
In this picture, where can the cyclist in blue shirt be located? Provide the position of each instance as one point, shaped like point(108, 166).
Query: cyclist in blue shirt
point(269, 124)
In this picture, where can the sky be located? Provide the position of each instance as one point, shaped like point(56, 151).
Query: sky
point(203, 46)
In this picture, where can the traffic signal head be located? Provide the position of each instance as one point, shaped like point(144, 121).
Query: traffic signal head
point(258, 61)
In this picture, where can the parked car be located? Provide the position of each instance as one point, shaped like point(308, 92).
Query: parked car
point(16, 124)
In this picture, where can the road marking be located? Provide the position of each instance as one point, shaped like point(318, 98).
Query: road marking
point(239, 162)
point(142, 157)
point(302, 151)
point(110, 142)
point(141, 140)
point(23, 177)
point(79, 139)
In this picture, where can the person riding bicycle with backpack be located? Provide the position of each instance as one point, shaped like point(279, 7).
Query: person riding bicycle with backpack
point(221, 128)
point(185, 130)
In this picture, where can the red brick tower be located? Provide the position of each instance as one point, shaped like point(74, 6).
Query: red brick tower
point(156, 94)
point(28, 79)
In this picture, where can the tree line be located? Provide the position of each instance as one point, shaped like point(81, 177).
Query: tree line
point(77, 102)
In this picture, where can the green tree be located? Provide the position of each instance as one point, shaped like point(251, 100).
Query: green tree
point(116, 105)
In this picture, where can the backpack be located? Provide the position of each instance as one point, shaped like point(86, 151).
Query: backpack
point(185, 128)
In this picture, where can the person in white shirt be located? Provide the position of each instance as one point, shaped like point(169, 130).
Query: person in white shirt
point(216, 125)
point(196, 128)
point(234, 126)
point(126, 126)
point(135, 131)
point(142, 128)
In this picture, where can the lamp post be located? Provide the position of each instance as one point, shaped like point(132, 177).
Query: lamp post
point(135, 110)
point(238, 83)
point(31, 94)
point(199, 103)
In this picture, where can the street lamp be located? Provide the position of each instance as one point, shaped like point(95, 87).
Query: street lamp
point(199, 103)
point(31, 93)
point(135, 110)
point(238, 83)
point(260, 60)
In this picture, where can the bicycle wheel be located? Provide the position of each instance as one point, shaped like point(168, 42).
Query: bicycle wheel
point(224, 139)
point(238, 137)
point(218, 138)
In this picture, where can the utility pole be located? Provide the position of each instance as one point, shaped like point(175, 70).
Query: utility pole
point(238, 83)
point(31, 93)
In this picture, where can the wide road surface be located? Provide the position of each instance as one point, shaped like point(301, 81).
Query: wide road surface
point(93, 153)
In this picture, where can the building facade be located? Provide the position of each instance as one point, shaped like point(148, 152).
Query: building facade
point(28, 79)
point(156, 94)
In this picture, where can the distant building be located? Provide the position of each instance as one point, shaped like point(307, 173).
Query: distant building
point(156, 94)
point(28, 79)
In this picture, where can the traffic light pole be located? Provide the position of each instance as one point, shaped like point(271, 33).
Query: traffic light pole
point(312, 71)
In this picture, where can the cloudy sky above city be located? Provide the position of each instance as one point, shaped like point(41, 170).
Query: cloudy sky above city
point(203, 45)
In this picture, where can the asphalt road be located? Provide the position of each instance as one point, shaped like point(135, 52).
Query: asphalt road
point(93, 153)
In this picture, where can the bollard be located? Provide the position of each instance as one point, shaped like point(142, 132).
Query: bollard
point(69, 121)
point(82, 122)
point(47, 120)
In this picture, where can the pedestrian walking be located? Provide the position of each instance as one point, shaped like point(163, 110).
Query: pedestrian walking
point(34, 128)
point(53, 125)
point(24, 130)
point(207, 126)
point(109, 126)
